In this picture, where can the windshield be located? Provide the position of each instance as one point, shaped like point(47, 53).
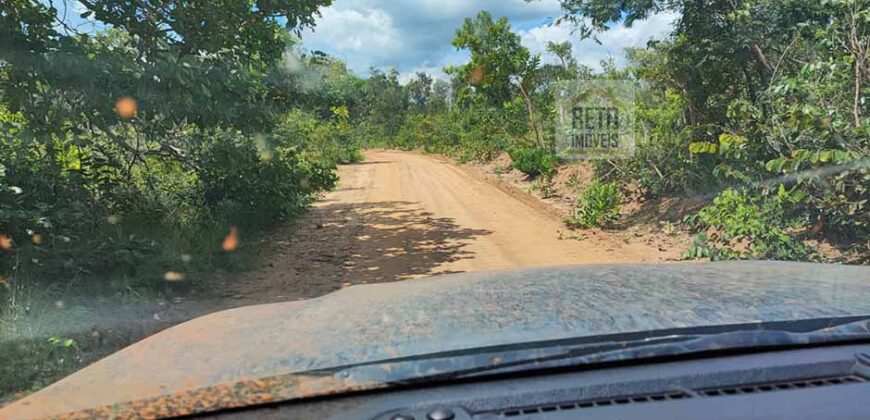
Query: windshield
point(408, 178)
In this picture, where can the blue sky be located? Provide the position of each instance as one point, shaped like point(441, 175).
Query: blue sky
point(415, 35)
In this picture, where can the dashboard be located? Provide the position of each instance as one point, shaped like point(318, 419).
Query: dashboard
point(810, 383)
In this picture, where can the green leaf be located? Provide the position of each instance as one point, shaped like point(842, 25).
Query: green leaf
point(703, 147)
point(826, 156)
point(776, 165)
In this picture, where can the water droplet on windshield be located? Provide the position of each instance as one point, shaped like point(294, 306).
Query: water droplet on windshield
point(231, 242)
point(126, 107)
point(5, 241)
point(173, 276)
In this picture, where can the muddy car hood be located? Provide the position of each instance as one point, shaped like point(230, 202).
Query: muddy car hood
point(253, 354)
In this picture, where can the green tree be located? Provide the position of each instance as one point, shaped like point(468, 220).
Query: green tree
point(497, 57)
point(562, 51)
point(150, 134)
point(441, 96)
point(187, 62)
point(420, 90)
point(386, 101)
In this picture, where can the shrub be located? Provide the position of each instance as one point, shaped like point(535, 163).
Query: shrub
point(533, 161)
point(545, 185)
point(119, 225)
point(597, 205)
point(468, 135)
point(662, 164)
point(255, 184)
point(745, 224)
point(333, 140)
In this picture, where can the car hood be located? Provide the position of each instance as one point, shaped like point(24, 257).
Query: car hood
point(255, 354)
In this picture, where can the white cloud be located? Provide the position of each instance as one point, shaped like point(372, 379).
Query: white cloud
point(613, 42)
point(655, 27)
point(416, 35)
point(434, 70)
point(362, 37)
point(536, 39)
point(409, 34)
point(460, 9)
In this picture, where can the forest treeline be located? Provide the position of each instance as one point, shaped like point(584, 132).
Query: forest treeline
point(137, 149)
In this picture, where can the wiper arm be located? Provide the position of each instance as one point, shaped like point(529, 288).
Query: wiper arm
point(735, 340)
point(489, 363)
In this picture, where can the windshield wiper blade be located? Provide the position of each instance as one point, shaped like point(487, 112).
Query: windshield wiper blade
point(490, 363)
point(740, 340)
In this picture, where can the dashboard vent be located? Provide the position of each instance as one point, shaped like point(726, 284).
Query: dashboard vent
point(634, 399)
point(679, 395)
point(780, 386)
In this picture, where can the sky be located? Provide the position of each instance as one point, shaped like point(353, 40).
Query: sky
point(416, 35)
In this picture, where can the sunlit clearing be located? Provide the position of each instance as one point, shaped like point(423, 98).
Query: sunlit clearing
point(186, 258)
point(231, 242)
point(173, 276)
point(5, 241)
point(126, 107)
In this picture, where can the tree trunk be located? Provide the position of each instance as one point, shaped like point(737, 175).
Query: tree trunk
point(860, 54)
point(856, 108)
point(531, 110)
point(761, 58)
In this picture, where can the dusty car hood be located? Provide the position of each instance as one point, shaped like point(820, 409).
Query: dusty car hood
point(250, 355)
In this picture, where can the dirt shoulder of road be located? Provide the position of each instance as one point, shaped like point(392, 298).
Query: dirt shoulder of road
point(651, 223)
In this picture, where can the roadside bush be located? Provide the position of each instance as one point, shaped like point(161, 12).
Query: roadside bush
point(334, 140)
point(533, 161)
point(741, 224)
point(545, 185)
point(474, 134)
point(99, 221)
point(49, 359)
point(258, 185)
point(597, 206)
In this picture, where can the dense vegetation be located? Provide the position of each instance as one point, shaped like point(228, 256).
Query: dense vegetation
point(130, 151)
point(151, 149)
point(744, 98)
point(156, 148)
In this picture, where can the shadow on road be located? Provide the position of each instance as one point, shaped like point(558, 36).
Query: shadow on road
point(383, 241)
point(342, 244)
point(398, 240)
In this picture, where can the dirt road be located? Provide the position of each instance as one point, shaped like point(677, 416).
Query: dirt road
point(395, 216)
point(399, 216)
